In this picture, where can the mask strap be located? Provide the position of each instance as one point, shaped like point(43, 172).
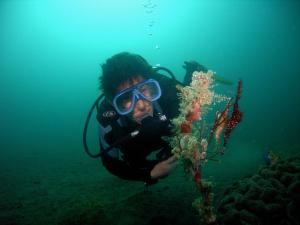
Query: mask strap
point(157, 107)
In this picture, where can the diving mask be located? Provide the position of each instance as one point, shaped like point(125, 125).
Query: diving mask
point(125, 101)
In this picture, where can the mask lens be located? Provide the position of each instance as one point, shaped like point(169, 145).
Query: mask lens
point(150, 91)
point(124, 102)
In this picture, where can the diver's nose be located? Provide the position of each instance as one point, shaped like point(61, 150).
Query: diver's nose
point(140, 105)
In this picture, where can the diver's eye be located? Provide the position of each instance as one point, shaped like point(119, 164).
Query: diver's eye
point(145, 91)
point(126, 103)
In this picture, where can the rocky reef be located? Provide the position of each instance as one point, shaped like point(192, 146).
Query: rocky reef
point(272, 196)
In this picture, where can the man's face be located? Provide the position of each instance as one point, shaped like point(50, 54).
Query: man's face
point(142, 108)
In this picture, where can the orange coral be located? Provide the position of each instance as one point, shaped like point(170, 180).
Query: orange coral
point(222, 118)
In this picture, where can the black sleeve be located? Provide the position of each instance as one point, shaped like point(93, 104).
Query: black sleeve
point(121, 169)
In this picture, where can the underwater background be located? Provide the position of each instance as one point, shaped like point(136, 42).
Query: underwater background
point(50, 57)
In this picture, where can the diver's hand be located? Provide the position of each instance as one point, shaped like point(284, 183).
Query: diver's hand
point(163, 168)
point(191, 66)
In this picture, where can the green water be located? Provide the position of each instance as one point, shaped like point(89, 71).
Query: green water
point(50, 57)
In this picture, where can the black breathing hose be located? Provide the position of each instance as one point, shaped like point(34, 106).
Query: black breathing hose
point(86, 125)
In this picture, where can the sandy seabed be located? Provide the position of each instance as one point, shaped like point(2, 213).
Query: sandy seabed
point(61, 190)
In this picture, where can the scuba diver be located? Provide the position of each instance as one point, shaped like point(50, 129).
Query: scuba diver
point(135, 114)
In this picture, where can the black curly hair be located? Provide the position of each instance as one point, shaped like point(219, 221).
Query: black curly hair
point(120, 68)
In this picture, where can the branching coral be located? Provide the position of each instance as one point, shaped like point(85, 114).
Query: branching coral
point(190, 143)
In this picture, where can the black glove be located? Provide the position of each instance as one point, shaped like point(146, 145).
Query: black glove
point(149, 183)
point(190, 67)
point(153, 127)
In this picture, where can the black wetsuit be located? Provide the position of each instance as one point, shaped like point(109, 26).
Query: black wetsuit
point(129, 159)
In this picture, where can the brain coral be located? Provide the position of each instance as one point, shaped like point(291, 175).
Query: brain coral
point(272, 196)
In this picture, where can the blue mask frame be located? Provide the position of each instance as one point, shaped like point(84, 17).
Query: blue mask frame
point(136, 95)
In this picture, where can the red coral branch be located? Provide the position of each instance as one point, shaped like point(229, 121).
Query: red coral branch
point(236, 116)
